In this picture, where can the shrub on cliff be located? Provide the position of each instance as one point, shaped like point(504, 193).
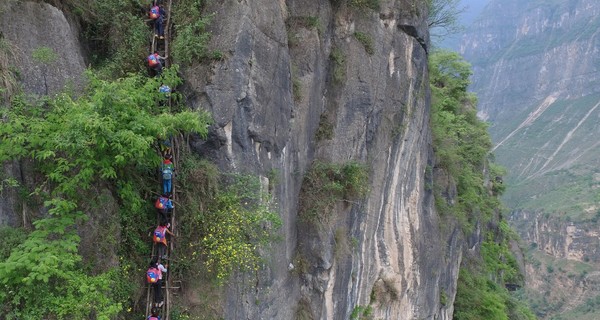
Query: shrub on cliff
point(105, 137)
point(461, 145)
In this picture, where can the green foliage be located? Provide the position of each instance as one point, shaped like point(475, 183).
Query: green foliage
point(105, 137)
point(461, 144)
point(366, 41)
point(191, 42)
point(237, 224)
point(325, 129)
point(327, 183)
point(117, 34)
point(44, 55)
point(460, 140)
point(11, 238)
point(228, 219)
point(339, 65)
point(8, 75)
point(362, 313)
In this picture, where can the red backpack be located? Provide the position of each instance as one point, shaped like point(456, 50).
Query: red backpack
point(159, 235)
point(152, 275)
point(154, 13)
point(153, 60)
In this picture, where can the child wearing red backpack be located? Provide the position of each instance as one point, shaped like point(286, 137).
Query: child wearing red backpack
point(155, 62)
point(160, 238)
point(154, 278)
point(157, 14)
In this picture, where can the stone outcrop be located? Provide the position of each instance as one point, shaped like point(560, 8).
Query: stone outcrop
point(30, 26)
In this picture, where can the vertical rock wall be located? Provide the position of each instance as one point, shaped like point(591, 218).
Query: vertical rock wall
point(28, 26)
point(277, 85)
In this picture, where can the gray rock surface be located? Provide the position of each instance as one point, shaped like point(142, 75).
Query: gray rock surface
point(29, 26)
point(378, 114)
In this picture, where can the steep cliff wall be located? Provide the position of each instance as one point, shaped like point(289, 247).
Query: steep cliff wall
point(291, 71)
point(283, 79)
point(28, 28)
point(562, 259)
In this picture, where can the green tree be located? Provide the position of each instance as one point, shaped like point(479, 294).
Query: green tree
point(462, 145)
point(103, 138)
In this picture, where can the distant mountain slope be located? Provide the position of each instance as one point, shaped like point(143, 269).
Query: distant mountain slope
point(537, 78)
point(536, 73)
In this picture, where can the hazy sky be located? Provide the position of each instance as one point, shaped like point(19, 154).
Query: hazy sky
point(473, 8)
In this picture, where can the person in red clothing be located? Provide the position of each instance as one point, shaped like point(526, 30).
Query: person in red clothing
point(157, 14)
point(155, 62)
point(154, 278)
point(160, 238)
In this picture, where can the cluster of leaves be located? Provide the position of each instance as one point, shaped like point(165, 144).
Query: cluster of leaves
point(338, 59)
point(8, 75)
point(327, 183)
point(237, 224)
point(461, 144)
point(105, 137)
point(117, 33)
point(362, 313)
point(366, 41)
point(228, 216)
point(481, 293)
point(191, 42)
point(460, 139)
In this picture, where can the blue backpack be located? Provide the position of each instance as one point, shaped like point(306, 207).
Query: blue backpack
point(167, 172)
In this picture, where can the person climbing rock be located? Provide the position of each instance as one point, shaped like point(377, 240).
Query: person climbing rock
point(164, 206)
point(155, 62)
point(167, 170)
point(160, 238)
point(165, 90)
point(157, 14)
point(154, 314)
point(154, 278)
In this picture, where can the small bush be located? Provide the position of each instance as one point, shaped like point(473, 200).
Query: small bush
point(192, 37)
point(326, 183)
point(366, 41)
point(339, 65)
point(325, 130)
point(238, 222)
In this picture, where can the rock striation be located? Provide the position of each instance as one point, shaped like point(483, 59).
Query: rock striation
point(283, 82)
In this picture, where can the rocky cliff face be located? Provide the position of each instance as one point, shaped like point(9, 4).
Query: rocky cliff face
point(44, 51)
point(282, 80)
point(536, 75)
point(292, 69)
